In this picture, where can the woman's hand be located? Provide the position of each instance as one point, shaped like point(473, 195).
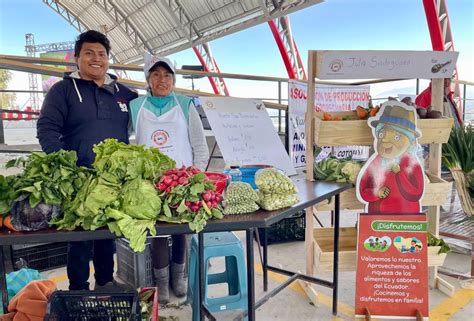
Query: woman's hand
point(395, 168)
point(383, 192)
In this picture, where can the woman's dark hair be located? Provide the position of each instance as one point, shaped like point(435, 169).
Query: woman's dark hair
point(91, 36)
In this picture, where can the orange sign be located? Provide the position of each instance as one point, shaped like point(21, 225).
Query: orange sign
point(392, 266)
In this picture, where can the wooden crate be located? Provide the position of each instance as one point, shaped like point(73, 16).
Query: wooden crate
point(357, 132)
point(324, 250)
point(436, 192)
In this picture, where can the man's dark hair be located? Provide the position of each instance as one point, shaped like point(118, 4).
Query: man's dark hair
point(91, 36)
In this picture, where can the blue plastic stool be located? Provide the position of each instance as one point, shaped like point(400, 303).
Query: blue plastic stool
point(219, 244)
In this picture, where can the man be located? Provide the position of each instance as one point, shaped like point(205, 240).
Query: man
point(81, 110)
point(449, 106)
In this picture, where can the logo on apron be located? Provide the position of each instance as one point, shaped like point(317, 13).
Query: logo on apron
point(160, 137)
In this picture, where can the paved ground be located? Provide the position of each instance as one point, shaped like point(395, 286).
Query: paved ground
point(293, 304)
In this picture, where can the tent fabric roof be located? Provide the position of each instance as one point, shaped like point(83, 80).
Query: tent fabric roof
point(167, 26)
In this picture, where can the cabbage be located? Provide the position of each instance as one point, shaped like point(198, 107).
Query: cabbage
point(140, 199)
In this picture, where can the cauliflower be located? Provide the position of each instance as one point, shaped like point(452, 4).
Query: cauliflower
point(350, 170)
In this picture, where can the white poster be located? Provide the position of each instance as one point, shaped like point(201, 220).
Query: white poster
point(385, 64)
point(245, 132)
point(328, 98)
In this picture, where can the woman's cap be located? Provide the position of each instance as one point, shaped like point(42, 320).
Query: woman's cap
point(151, 61)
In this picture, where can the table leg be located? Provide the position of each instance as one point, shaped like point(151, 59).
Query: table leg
point(3, 281)
point(265, 260)
point(250, 275)
point(201, 274)
point(336, 256)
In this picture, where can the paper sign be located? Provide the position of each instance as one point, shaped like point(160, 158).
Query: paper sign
point(392, 179)
point(327, 98)
point(245, 133)
point(382, 64)
point(392, 266)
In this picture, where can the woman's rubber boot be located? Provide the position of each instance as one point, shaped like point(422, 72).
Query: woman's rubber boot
point(179, 280)
point(162, 279)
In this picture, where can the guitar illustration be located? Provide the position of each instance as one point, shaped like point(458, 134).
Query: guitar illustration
point(436, 68)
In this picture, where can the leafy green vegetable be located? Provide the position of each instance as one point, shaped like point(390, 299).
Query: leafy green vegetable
point(458, 152)
point(130, 161)
point(433, 241)
point(135, 230)
point(458, 156)
point(6, 194)
point(50, 178)
point(121, 195)
point(140, 199)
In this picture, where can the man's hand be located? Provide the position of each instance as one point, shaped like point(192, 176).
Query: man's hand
point(383, 192)
point(395, 168)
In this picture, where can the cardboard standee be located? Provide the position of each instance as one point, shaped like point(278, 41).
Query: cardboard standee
point(392, 180)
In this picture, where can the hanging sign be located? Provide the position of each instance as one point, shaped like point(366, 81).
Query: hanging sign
point(383, 64)
point(392, 266)
point(328, 98)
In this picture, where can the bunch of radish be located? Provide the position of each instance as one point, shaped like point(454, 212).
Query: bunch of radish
point(176, 176)
point(176, 185)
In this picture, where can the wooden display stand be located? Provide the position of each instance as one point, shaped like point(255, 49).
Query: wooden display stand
point(435, 132)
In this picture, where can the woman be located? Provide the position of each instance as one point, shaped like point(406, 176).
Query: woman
point(169, 122)
point(391, 180)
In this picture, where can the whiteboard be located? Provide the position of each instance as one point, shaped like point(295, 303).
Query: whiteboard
point(245, 132)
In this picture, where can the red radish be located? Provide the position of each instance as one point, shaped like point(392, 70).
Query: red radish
point(162, 187)
point(181, 180)
point(206, 196)
point(174, 183)
point(167, 180)
point(168, 189)
point(174, 177)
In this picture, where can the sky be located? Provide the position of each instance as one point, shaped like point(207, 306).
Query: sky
point(331, 25)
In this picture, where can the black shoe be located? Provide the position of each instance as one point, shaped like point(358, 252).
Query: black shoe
point(113, 286)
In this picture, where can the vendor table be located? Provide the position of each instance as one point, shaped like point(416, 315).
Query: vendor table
point(310, 193)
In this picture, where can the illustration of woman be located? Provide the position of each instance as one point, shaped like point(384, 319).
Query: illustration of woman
point(391, 180)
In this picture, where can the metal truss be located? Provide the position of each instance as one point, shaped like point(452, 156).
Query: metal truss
point(281, 31)
point(66, 14)
point(204, 54)
point(195, 36)
point(442, 38)
point(32, 78)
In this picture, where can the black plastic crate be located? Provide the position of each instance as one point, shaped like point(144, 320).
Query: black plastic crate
point(135, 269)
point(42, 257)
point(286, 230)
point(93, 306)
